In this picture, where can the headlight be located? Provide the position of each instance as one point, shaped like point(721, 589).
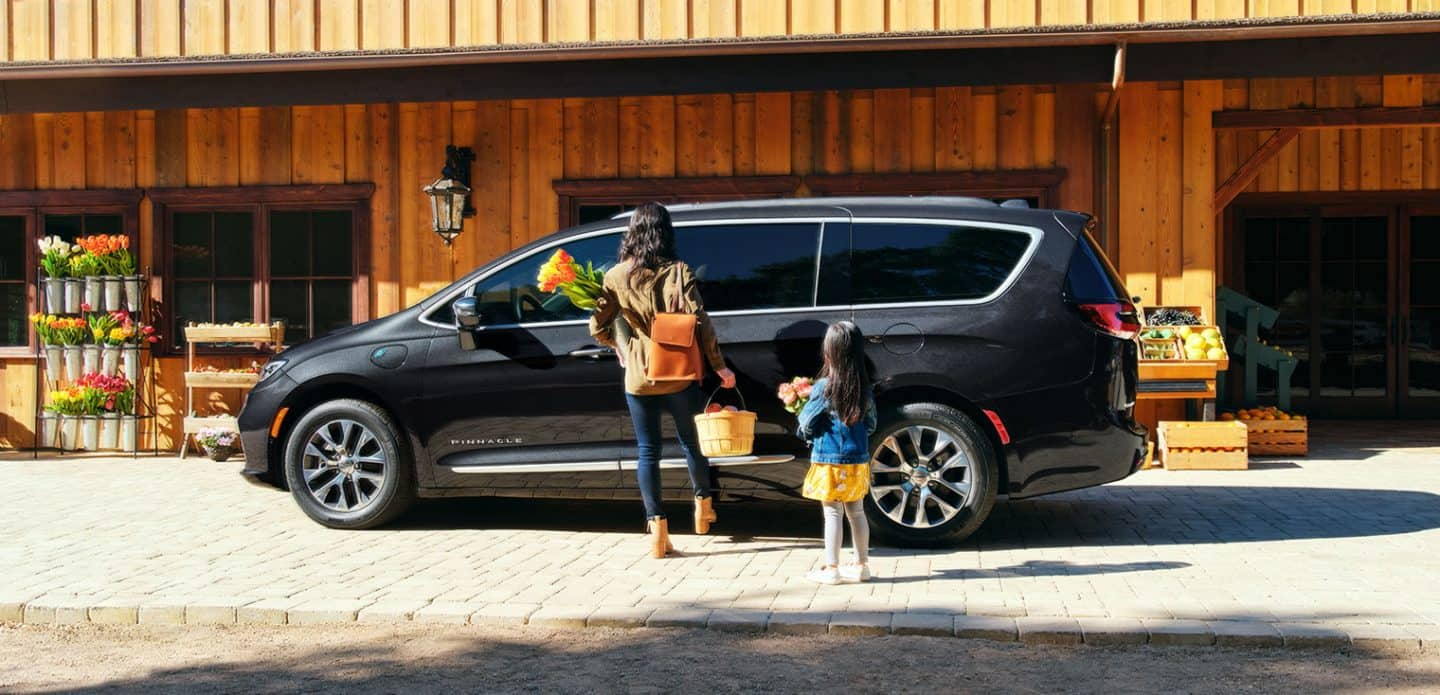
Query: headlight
point(271, 368)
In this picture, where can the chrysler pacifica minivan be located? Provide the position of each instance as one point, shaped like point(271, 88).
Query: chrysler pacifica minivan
point(1000, 341)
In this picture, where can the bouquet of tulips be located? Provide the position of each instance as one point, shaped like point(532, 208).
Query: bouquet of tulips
point(795, 393)
point(111, 252)
point(55, 255)
point(581, 283)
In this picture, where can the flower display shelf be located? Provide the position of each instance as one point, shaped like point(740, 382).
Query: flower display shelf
point(144, 421)
point(270, 336)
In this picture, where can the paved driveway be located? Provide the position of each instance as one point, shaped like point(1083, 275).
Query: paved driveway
point(1348, 538)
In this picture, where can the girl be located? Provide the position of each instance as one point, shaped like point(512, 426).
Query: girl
point(635, 289)
point(838, 421)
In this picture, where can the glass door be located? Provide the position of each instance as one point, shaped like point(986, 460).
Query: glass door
point(1419, 358)
point(1353, 369)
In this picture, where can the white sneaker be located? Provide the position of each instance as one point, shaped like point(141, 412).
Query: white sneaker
point(855, 573)
point(824, 575)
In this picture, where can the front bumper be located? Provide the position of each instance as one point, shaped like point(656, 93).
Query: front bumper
point(255, 421)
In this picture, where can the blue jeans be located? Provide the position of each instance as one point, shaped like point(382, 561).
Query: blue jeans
point(645, 412)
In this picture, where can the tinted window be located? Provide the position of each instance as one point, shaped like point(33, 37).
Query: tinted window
point(512, 295)
point(752, 266)
point(1091, 277)
point(899, 262)
point(834, 285)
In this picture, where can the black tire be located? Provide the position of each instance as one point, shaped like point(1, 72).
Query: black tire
point(983, 475)
point(395, 492)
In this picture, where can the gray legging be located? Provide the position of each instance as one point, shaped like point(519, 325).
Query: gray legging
point(834, 534)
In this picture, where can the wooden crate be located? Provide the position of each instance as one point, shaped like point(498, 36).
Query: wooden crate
point(234, 334)
point(1215, 446)
point(1278, 437)
point(221, 380)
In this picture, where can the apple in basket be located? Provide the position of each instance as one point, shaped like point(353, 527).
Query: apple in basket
point(713, 408)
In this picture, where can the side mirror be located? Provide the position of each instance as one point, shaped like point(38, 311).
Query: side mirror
point(467, 320)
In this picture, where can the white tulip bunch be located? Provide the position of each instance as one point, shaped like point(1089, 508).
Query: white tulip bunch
point(55, 253)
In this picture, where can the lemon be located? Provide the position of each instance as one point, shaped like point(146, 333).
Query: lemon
point(1194, 354)
point(1194, 340)
point(1210, 333)
point(1215, 353)
point(1185, 331)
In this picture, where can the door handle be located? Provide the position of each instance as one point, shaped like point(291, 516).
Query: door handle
point(593, 353)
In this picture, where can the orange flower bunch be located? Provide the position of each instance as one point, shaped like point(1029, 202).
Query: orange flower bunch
point(563, 274)
point(112, 251)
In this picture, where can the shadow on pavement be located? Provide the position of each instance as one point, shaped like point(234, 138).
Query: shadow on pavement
point(1114, 515)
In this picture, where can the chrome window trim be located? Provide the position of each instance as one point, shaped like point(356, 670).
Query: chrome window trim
point(1034, 233)
point(610, 466)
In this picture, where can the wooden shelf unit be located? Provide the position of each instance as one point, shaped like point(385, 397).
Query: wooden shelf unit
point(271, 336)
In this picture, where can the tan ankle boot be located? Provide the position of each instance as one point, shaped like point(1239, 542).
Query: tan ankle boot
point(704, 514)
point(659, 537)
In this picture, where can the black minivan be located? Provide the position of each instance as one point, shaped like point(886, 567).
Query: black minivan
point(1000, 340)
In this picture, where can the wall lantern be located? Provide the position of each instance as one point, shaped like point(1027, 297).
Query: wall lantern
point(449, 195)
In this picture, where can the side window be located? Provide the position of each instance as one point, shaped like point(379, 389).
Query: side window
point(900, 262)
point(513, 295)
point(834, 285)
point(752, 266)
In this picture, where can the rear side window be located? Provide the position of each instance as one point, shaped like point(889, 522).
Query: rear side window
point(909, 262)
point(752, 266)
point(1091, 277)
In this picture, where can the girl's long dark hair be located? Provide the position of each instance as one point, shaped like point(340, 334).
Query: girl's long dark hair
point(847, 380)
point(650, 241)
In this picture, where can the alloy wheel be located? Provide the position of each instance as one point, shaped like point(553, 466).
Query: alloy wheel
point(344, 466)
point(921, 476)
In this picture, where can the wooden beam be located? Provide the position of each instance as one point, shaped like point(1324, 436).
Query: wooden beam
point(1372, 117)
point(1250, 168)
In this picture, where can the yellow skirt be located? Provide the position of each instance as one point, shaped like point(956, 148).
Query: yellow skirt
point(837, 482)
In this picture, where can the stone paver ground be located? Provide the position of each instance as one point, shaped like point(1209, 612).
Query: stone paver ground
point(1342, 547)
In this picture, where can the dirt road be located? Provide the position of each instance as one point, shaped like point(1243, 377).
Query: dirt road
point(416, 659)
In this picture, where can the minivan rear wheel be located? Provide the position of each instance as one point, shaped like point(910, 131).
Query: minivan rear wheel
point(347, 467)
point(933, 477)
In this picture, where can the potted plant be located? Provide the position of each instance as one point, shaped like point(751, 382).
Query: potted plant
point(85, 269)
point(66, 404)
point(49, 426)
point(98, 325)
point(218, 444)
point(92, 403)
point(54, 353)
point(55, 256)
point(110, 334)
point(129, 422)
point(112, 257)
point(110, 388)
point(70, 333)
point(134, 336)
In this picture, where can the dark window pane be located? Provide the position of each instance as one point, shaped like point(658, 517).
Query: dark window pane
point(514, 289)
point(1425, 283)
point(14, 321)
point(1260, 239)
point(1372, 283)
point(752, 266)
point(1370, 373)
point(920, 262)
point(1337, 330)
point(1425, 353)
point(289, 302)
point(192, 304)
point(67, 227)
point(1372, 238)
point(191, 244)
point(332, 305)
point(102, 224)
point(834, 285)
point(1292, 286)
point(1337, 284)
point(234, 244)
point(289, 244)
point(13, 253)
point(1335, 374)
point(1337, 239)
point(594, 213)
point(1425, 238)
point(333, 253)
point(234, 301)
point(1293, 239)
point(1260, 283)
point(1370, 328)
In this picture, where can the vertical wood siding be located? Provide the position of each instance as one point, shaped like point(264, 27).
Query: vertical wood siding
point(80, 29)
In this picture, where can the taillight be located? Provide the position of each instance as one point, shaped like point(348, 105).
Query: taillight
point(1115, 318)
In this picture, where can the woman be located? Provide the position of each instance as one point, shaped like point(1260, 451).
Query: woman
point(641, 284)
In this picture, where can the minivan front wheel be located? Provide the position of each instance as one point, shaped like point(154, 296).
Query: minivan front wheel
point(933, 477)
point(346, 466)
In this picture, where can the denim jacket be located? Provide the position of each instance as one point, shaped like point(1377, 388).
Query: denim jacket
point(831, 440)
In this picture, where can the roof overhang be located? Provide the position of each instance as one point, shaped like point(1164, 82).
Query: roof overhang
point(1287, 47)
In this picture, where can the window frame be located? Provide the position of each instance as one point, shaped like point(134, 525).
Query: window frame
point(260, 201)
point(574, 193)
point(34, 206)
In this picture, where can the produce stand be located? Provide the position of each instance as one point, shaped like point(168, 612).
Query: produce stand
point(1167, 370)
point(196, 377)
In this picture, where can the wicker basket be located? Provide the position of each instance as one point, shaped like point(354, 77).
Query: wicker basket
point(726, 433)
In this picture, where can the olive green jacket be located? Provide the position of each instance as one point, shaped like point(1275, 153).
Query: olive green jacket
point(623, 315)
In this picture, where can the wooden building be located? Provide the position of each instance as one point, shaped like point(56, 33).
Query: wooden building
point(1285, 148)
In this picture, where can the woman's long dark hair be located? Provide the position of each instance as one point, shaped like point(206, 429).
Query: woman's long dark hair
point(847, 379)
point(650, 241)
